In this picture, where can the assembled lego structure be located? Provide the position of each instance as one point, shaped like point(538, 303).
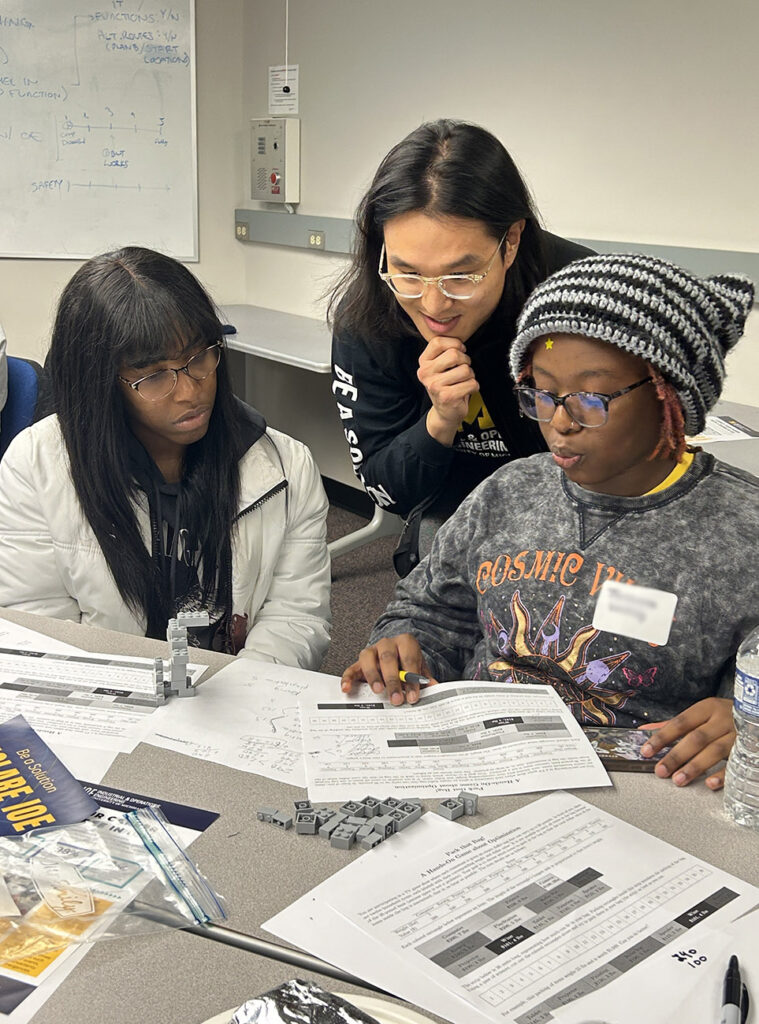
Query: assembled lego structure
point(364, 823)
point(179, 683)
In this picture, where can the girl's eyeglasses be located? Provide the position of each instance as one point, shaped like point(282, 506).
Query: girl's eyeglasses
point(586, 408)
point(160, 384)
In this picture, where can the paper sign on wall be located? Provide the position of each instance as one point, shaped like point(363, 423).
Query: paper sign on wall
point(283, 89)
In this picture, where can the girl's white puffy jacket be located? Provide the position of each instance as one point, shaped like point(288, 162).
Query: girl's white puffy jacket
point(52, 564)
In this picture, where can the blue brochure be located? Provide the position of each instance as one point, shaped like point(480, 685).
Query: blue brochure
point(36, 790)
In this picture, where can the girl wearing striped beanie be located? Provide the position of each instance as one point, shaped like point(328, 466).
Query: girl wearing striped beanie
point(618, 358)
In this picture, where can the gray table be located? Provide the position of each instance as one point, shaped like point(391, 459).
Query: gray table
point(178, 977)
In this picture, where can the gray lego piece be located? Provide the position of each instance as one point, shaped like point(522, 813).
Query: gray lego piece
point(354, 808)
point(192, 619)
point(388, 804)
point(370, 841)
point(450, 809)
point(326, 830)
point(384, 825)
point(410, 818)
point(343, 838)
point(469, 800)
point(266, 813)
point(282, 820)
point(302, 805)
point(371, 806)
point(305, 823)
point(365, 830)
point(355, 819)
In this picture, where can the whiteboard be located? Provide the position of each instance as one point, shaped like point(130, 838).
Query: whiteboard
point(97, 127)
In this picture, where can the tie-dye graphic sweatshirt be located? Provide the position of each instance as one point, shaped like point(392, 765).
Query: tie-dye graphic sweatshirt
point(510, 587)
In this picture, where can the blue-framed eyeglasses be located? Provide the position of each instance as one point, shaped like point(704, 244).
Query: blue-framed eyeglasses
point(586, 408)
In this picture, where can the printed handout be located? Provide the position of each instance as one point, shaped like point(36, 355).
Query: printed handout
point(490, 738)
point(528, 913)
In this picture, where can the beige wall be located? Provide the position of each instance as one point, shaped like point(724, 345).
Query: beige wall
point(29, 289)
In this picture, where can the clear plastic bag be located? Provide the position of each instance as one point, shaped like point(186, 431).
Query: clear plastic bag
point(106, 877)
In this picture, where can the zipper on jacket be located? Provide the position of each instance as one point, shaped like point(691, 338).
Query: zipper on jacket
point(277, 489)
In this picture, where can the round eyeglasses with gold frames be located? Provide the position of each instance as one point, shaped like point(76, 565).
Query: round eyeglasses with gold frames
point(160, 384)
point(453, 286)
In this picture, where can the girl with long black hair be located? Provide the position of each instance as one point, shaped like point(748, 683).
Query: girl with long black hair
point(153, 490)
point(448, 247)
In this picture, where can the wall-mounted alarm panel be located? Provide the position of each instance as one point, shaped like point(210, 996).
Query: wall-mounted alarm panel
point(275, 159)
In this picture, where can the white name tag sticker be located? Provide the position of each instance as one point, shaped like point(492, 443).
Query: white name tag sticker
point(642, 613)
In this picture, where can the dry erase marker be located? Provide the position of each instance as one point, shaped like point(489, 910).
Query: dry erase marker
point(731, 994)
point(413, 677)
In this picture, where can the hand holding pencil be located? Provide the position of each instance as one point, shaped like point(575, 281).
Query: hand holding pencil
point(394, 664)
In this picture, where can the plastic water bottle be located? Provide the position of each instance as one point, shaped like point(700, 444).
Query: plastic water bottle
point(742, 775)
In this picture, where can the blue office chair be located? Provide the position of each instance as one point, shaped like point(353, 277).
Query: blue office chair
point(23, 391)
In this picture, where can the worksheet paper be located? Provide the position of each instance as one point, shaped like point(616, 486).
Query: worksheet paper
point(530, 912)
point(313, 923)
point(246, 717)
point(683, 983)
point(489, 738)
point(723, 428)
point(57, 695)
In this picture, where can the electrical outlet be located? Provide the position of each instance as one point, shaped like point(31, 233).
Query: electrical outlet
point(241, 231)
point(316, 238)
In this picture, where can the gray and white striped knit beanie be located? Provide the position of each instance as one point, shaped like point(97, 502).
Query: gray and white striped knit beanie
point(683, 325)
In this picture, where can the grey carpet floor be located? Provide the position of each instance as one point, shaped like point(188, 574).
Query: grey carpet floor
point(362, 584)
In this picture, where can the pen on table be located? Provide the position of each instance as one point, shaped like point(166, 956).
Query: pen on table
point(732, 994)
point(413, 677)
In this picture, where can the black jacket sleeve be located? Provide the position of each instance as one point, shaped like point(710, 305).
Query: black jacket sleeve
point(383, 418)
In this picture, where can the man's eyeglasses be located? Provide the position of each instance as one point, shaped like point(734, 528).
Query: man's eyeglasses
point(160, 384)
point(586, 408)
point(453, 286)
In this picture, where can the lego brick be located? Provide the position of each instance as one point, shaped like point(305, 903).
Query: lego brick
point(326, 830)
point(282, 820)
point(354, 808)
point(342, 839)
point(302, 805)
point(266, 813)
point(356, 820)
point(371, 806)
point(410, 818)
point(365, 830)
point(305, 823)
point(323, 815)
point(370, 841)
point(384, 825)
point(192, 619)
point(450, 809)
point(469, 800)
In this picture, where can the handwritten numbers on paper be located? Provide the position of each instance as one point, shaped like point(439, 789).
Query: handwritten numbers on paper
point(689, 957)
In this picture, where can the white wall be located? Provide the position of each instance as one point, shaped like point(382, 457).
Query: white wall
point(630, 122)
point(29, 289)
